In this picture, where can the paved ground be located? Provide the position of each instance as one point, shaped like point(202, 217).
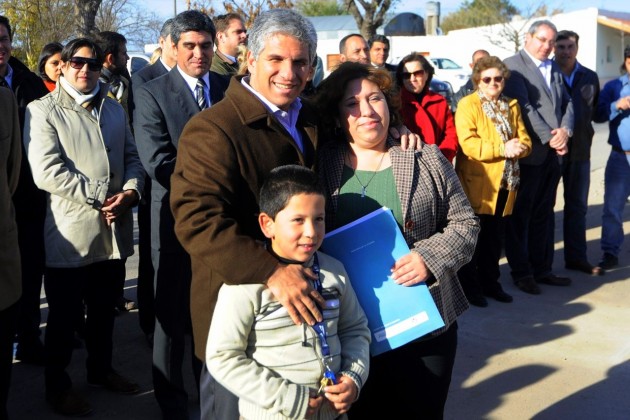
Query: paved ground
point(562, 355)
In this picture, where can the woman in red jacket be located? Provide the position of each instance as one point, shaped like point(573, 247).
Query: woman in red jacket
point(425, 112)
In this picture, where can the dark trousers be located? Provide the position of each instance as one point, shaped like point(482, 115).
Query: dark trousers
point(144, 292)
point(411, 381)
point(172, 325)
point(576, 179)
point(529, 234)
point(67, 289)
point(215, 401)
point(8, 319)
point(31, 243)
point(481, 274)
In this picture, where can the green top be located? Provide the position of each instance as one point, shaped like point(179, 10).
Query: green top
point(379, 191)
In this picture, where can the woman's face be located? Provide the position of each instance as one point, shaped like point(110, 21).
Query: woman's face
point(364, 114)
point(627, 64)
point(414, 77)
point(491, 83)
point(53, 67)
point(82, 70)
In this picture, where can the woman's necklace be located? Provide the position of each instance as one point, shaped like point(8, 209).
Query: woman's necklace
point(364, 187)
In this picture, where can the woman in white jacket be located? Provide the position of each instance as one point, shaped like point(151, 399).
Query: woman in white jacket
point(82, 154)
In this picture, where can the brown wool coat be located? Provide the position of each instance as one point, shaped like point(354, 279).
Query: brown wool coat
point(10, 156)
point(224, 155)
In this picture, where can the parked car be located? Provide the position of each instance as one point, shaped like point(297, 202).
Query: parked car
point(137, 60)
point(451, 72)
point(445, 89)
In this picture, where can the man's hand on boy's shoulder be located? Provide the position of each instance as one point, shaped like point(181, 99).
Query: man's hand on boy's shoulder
point(289, 284)
point(342, 394)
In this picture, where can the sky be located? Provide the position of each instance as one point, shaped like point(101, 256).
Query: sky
point(165, 8)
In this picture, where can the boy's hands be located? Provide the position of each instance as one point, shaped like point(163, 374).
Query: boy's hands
point(290, 286)
point(342, 394)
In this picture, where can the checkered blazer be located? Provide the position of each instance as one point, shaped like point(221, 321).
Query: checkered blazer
point(439, 223)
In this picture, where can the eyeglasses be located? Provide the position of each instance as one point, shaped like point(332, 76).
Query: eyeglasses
point(77, 63)
point(545, 41)
point(417, 73)
point(487, 80)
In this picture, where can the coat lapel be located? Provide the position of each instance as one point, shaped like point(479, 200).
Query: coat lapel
point(182, 94)
point(403, 163)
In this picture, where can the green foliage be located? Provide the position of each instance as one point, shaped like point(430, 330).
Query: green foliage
point(320, 8)
point(479, 13)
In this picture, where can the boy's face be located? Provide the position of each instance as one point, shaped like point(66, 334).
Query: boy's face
point(298, 229)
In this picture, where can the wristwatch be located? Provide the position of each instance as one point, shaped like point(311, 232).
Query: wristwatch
point(569, 131)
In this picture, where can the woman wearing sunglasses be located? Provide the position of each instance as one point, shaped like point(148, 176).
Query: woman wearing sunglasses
point(492, 137)
point(83, 156)
point(425, 112)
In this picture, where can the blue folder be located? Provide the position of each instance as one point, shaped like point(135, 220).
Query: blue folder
point(368, 248)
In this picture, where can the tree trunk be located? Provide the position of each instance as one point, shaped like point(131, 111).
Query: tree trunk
point(85, 13)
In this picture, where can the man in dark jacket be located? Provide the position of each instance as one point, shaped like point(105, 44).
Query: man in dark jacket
point(29, 204)
point(583, 86)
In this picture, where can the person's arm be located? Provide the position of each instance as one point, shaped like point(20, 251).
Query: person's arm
point(475, 144)
point(448, 144)
point(50, 172)
point(155, 146)
point(229, 364)
point(15, 151)
point(516, 88)
point(519, 129)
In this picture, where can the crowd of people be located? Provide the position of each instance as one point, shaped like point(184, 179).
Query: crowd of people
point(239, 159)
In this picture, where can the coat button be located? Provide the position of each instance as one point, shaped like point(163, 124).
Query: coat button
point(111, 175)
point(409, 224)
point(107, 149)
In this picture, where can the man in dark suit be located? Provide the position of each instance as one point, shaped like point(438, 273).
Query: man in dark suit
point(164, 106)
point(379, 53)
point(583, 86)
point(145, 292)
point(29, 202)
point(537, 83)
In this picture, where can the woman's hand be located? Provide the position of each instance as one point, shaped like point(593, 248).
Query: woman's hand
point(410, 269)
point(513, 149)
point(408, 140)
point(117, 204)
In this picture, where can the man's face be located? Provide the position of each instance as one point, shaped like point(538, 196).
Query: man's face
point(234, 35)
point(5, 49)
point(194, 53)
point(356, 50)
point(379, 53)
point(119, 60)
point(566, 52)
point(169, 55)
point(540, 45)
point(281, 70)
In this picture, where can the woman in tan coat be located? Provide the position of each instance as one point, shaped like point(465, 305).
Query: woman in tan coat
point(492, 137)
point(10, 273)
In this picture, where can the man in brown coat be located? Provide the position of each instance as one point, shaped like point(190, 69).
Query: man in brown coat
point(224, 155)
point(10, 269)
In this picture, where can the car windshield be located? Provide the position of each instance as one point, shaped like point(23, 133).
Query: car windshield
point(446, 64)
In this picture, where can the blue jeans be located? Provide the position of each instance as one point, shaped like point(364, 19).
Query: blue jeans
point(576, 179)
point(616, 192)
point(529, 231)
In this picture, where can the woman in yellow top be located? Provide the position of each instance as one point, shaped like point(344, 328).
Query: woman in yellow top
point(492, 137)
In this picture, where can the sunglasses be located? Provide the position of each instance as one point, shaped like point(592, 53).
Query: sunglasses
point(417, 73)
point(487, 80)
point(77, 63)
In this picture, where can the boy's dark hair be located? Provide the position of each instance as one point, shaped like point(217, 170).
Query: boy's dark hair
point(110, 42)
point(285, 182)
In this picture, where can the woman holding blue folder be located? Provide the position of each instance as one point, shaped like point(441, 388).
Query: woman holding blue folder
point(363, 169)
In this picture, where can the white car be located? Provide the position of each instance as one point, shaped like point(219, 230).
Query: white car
point(449, 71)
point(137, 60)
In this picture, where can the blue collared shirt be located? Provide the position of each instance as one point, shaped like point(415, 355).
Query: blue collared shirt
point(288, 119)
point(9, 76)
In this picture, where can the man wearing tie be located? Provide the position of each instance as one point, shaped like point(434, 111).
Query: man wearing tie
point(163, 107)
point(537, 83)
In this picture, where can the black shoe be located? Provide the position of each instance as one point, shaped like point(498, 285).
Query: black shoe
point(115, 383)
point(553, 280)
point(500, 296)
point(585, 267)
point(31, 352)
point(528, 285)
point(477, 300)
point(608, 261)
point(69, 403)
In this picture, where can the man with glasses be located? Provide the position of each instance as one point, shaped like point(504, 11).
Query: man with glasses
point(537, 83)
point(29, 204)
point(84, 157)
